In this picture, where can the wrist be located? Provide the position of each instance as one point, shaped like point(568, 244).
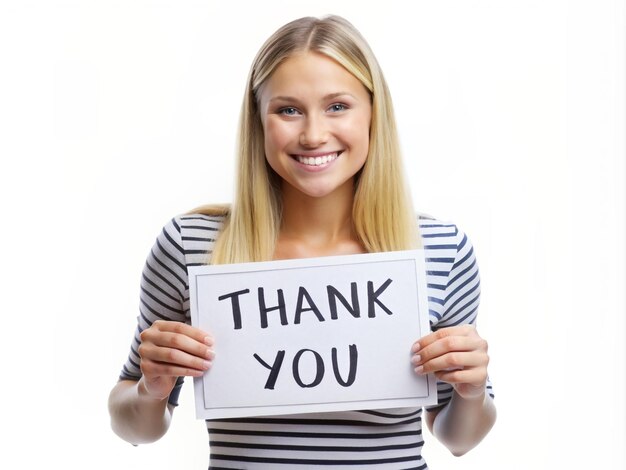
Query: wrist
point(471, 393)
point(144, 393)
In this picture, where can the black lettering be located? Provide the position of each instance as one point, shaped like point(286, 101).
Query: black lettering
point(234, 299)
point(354, 356)
point(302, 294)
point(372, 298)
point(274, 369)
point(319, 375)
point(334, 294)
point(263, 310)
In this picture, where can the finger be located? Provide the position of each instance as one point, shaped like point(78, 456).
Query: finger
point(452, 361)
point(476, 377)
point(182, 343)
point(460, 330)
point(449, 344)
point(176, 335)
point(174, 356)
point(151, 368)
point(185, 329)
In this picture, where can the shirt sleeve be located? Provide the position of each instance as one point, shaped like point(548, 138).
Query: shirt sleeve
point(460, 302)
point(162, 295)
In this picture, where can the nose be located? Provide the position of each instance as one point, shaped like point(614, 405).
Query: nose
point(314, 132)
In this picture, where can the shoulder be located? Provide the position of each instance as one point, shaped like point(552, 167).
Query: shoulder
point(439, 234)
point(197, 224)
point(187, 225)
point(448, 249)
point(452, 273)
point(197, 234)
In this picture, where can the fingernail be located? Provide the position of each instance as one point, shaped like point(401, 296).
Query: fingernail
point(208, 340)
point(419, 370)
point(416, 359)
point(206, 365)
point(415, 348)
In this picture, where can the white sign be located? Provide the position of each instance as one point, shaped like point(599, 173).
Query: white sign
point(311, 335)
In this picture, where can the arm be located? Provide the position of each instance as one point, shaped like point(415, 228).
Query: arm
point(164, 347)
point(462, 423)
point(135, 416)
point(139, 410)
point(458, 355)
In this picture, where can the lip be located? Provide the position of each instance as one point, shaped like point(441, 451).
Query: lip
point(316, 154)
point(315, 168)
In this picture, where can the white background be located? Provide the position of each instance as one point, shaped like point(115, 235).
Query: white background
point(117, 115)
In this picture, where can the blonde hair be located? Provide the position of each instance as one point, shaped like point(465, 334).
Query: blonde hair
point(382, 213)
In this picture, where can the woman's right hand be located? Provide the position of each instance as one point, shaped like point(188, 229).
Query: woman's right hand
point(170, 349)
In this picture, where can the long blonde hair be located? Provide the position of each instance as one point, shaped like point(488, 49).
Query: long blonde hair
point(382, 212)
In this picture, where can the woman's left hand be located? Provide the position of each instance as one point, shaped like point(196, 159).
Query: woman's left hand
point(457, 355)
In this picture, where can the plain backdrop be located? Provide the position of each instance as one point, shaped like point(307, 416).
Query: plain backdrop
point(117, 115)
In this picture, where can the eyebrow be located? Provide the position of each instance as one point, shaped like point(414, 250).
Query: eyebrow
point(330, 96)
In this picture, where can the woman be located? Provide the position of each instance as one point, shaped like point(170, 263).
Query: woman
point(319, 174)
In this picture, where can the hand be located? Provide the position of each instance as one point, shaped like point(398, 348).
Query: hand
point(457, 355)
point(170, 349)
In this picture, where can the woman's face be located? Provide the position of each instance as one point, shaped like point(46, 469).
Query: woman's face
point(316, 119)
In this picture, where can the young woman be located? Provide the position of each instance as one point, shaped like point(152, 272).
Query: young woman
point(319, 174)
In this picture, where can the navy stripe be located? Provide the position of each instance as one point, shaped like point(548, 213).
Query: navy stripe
point(133, 362)
point(435, 300)
point(196, 252)
point(199, 227)
point(471, 267)
point(392, 415)
point(288, 447)
point(436, 225)
point(461, 298)
point(436, 286)
point(149, 322)
point(172, 309)
point(168, 254)
point(208, 218)
point(461, 286)
point(242, 458)
point(312, 421)
point(155, 286)
point(155, 270)
point(432, 313)
point(196, 239)
point(438, 273)
point(440, 260)
point(161, 315)
point(464, 319)
point(439, 247)
point(169, 271)
point(437, 235)
point(313, 435)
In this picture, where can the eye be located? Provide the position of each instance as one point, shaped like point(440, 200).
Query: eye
point(337, 107)
point(288, 111)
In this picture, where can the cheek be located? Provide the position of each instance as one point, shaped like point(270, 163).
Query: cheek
point(357, 132)
point(275, 135)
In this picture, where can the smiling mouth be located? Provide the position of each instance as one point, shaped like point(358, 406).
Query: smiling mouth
point(318, 160)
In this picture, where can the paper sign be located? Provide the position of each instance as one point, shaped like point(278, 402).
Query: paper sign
point(312, 335)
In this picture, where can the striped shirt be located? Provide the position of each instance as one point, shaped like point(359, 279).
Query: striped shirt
point(389, 439)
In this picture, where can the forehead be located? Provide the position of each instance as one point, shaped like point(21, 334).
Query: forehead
point(310, 72)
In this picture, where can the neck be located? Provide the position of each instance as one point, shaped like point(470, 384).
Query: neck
point(317, 226)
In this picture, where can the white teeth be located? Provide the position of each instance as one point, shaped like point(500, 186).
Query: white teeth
point(317, 161)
